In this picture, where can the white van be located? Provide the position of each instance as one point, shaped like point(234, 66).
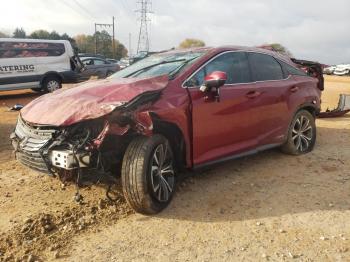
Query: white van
point(42, 65)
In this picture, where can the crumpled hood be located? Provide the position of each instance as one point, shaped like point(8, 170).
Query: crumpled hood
point(88, 101)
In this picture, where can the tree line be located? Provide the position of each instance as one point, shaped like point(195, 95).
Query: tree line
point(81, 43)
point(102, 41)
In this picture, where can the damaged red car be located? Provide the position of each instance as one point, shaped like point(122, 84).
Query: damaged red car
point(183, 109)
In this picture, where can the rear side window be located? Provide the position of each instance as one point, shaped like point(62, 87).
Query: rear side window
point(99, 62)
point(234, 64)
point(30, 49)
point(291, 70)
point(265, 67)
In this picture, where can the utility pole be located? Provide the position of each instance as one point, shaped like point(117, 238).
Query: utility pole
point(95, 39)
point(113, 37)
point(145, 10)
point(130, 52)
point(113, 40)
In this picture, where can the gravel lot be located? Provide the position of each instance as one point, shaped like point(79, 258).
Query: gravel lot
point(265, 207)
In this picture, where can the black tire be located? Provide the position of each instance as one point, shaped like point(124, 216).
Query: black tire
point(109, 73)
point(301, 134)
point(140, 176)
point(51, 84)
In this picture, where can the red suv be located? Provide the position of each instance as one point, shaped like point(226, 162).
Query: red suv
point(174, 110)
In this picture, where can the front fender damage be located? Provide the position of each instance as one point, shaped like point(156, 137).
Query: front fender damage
point(139, 122)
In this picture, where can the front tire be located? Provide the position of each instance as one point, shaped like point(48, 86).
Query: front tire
point(301, 134)
point(148, 175)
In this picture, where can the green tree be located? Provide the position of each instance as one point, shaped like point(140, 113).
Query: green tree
point(54, 36)
point(121, 50)
point(19, 33)
point(86, 44)
point(190, 42)
point(40, 34)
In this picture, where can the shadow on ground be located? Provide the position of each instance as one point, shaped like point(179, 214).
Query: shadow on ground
point(269, 184)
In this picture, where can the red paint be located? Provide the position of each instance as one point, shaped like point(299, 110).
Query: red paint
point(248, 115)
point(217, 75)
point(87, 101)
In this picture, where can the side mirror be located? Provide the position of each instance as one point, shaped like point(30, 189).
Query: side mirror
point(214, 80)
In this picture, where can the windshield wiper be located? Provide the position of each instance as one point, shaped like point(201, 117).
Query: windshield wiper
point(173, 73)
point(157, 64)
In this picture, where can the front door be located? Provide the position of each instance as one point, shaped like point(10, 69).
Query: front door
point(229, 126)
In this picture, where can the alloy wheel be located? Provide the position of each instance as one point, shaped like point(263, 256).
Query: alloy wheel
point(302, 134)
point(53, 85)
point(162, 173)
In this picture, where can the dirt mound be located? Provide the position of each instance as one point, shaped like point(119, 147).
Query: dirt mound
point(47, 235)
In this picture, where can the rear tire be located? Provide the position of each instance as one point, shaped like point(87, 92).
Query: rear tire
point(109, 73)
point(51, 84)
point(148, 175)
point(301, 134)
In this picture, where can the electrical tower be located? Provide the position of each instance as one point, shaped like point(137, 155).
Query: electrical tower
point(145, 10)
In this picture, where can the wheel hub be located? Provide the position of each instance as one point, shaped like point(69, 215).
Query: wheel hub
point(302, 134)
point(162, 173)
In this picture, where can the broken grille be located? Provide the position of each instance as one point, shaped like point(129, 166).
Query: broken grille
point(29, 141)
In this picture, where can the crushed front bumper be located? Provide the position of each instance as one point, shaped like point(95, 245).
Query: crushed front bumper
point(29, 143)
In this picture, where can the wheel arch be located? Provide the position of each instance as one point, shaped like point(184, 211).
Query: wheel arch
point(311, 108)
point(175, 137)
point(48, 74)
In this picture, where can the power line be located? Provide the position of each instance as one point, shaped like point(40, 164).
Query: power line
point(145, 10)
point(113, 35)
point(83, 8)
point(74, 9)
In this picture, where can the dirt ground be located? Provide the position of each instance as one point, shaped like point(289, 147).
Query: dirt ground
point(269, 206)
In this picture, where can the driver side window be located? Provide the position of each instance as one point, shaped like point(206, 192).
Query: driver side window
point(234, 64)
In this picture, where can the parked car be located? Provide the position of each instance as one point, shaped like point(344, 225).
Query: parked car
point(329, 70)
point(178, 110)
point(42, 65)
point(81, 55)
point(99, 67)
point(113, 61)
point(342, 70)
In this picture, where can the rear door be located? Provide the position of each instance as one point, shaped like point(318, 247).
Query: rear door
point(221, 129)
point(275, 87)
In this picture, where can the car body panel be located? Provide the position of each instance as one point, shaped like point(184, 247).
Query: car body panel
point(235, 118)
point(211, 130)
point(88, 101)
point(341, 70)
point(100, 70)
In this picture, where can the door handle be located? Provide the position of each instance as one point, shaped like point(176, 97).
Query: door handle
point(253, 94)
point(294, 89)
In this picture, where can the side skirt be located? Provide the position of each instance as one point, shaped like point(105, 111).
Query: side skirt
point(236, 156)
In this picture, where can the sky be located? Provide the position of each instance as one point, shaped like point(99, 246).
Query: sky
point(314, 30)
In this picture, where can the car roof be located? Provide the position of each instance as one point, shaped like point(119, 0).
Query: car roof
point(220, 49)
point(32, 40)
point(92, 57)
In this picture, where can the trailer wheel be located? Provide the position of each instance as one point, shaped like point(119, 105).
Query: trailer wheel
point(148, 175)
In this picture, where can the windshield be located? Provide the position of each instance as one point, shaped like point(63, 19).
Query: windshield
point(160, 64)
